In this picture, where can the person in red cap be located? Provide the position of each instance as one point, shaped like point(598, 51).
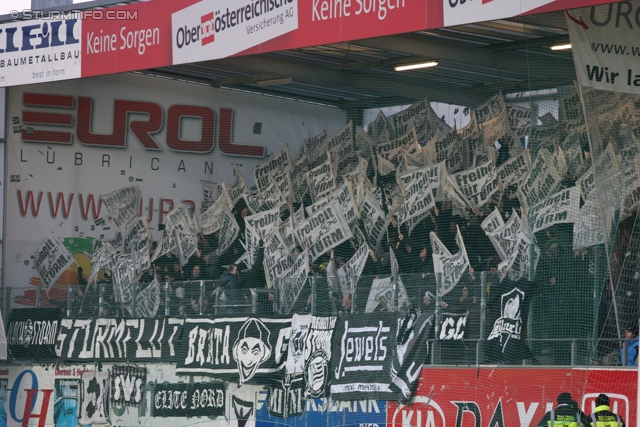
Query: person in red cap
point(602, 415)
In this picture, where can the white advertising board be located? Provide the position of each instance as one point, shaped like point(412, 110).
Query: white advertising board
point(123, 130)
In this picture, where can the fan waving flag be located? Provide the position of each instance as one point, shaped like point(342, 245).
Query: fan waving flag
point(451, 267)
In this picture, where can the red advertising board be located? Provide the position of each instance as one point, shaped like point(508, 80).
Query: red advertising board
point(490, 397)
point(160, 33)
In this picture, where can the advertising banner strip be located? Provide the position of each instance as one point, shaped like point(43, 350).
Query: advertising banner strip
point(163, 32)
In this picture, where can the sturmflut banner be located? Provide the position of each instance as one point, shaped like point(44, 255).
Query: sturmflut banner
point(108, 339)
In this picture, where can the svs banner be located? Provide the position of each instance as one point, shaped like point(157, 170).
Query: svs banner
point(127, 131)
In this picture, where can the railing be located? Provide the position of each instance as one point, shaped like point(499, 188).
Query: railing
point(320, 297)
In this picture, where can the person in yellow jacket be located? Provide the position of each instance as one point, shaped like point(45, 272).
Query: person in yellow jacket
point(566, 414)
point(603, 416)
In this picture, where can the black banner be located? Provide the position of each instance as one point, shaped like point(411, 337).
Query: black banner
point(237, 349)
point(286, 396)
point(411, 353)
point(119, 339)
point(189, 400)
point(127, 385)
point(452, 325)
point(509, 305)
point(32, 333)
point(363, 348)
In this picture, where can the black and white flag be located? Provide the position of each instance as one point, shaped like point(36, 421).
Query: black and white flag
point(476, 185)
point(123, 204)
point(277, 261)
point(418, 199)
point(374, 220)
point(561, 208)
point(188, 400)
point(451, 267)
point(392, 150)
point(229, 230)
point(136, 242)
point(586, 229)
point(300, 324)
point(292, 281)
point(166, 244)
point(363, 347)
point(179, 223)
point(519, 120)
point(51, 259)
point(515, 170)
point(210, 220)
point(237, 348)
point(412, 350)
point(210, 193)
point(238, 188)
point(444, 148)
point(389, 293)
point(147, 301)
point(543, 181)
point(263, 223)
point(127, 385)
point(321, 179)
point(123, 276)
point(94, 398)
point(344, 197)
point(275, 166)
point(324, 230)
point(352, 269)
